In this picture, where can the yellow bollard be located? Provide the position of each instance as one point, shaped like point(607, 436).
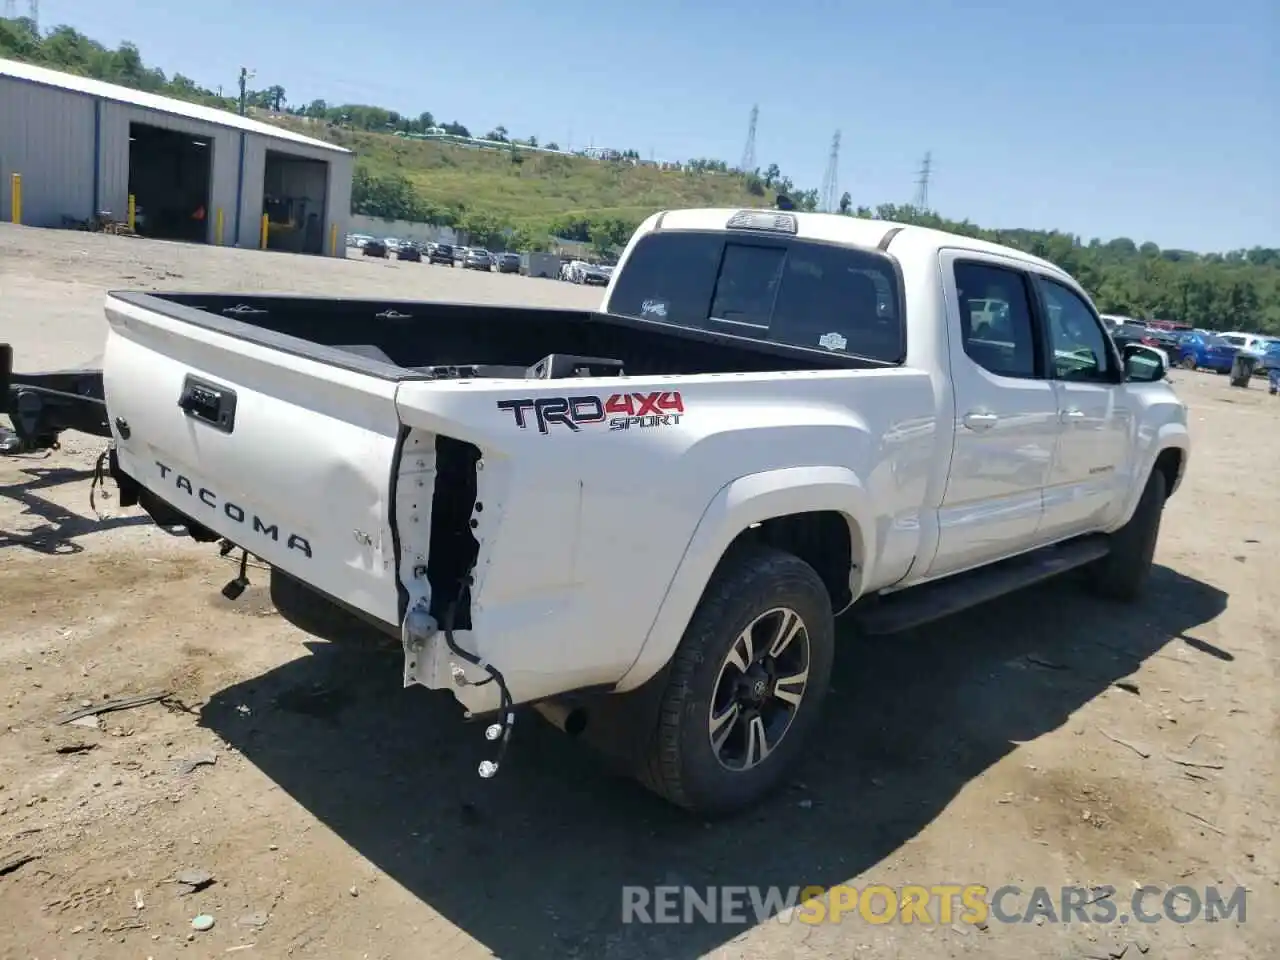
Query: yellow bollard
point(15, 198)
point(133, 212)
point(265, 227)
point(217, 227)
point(333, 239)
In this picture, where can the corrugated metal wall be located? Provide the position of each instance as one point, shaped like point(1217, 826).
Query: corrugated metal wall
point(47, 136)
point(114, 171)
point(338, 194)
point(341, 171)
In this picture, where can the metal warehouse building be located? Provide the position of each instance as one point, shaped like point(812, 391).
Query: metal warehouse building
point(82, 146)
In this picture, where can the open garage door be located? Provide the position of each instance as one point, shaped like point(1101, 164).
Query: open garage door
point(293, 198)
point(169, 178)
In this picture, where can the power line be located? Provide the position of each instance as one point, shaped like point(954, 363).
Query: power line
point(748, 162)
point(921, 201)
point(830, 181)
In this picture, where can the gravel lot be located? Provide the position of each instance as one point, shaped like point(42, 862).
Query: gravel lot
point(1047, 739)
point(53, 283)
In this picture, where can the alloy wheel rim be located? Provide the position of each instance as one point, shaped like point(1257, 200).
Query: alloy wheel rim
point(759, 689)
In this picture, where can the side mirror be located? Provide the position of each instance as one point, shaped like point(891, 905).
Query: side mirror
point(1143, 364)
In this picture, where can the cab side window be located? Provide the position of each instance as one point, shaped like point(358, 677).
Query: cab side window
point(1081, 348)
point(996, 323)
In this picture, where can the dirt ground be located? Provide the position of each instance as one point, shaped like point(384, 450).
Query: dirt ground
point(1046, 739)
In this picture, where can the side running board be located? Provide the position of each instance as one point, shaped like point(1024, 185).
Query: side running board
point(933, 601)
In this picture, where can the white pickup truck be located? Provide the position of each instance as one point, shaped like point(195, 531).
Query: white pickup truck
point(773, 419)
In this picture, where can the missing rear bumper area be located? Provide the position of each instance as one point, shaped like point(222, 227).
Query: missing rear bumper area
point(434, 656)
point(455, 517)
point(439, 526)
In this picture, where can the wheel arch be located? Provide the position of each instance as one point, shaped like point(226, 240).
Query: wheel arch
point(821, 514)
point(1169, 452)
point(1171, 461)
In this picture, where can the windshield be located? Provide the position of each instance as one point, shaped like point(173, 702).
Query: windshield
point(1212, 341)
point(802, 293)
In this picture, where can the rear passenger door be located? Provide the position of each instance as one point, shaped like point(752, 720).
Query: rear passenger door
point(1006, 414)
point(1091, 466)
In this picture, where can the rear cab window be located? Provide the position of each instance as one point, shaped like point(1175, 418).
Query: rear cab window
point(785, 290)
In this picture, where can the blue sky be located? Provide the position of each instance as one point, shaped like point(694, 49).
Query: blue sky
point(1153, 119)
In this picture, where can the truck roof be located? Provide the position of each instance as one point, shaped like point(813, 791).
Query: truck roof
point(855, 231)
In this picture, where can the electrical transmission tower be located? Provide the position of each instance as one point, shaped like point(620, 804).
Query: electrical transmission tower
point(921, 201)
point(830, 182)
point(748, 162)
point(35, 14)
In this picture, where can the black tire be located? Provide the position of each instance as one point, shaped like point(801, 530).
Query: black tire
point(1188, 363)
point(680, 762)
point(1122, 574)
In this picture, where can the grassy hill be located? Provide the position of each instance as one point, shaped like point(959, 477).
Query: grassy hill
point(527, 188)
point(537, 194)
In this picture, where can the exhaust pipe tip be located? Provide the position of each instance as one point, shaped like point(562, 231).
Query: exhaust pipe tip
point(569, 720)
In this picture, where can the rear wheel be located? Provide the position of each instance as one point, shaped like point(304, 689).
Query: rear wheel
point(1188, 363)
point(1122, 574)
point(746, 684)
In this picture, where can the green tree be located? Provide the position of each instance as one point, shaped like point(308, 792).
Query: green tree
point(485, 230)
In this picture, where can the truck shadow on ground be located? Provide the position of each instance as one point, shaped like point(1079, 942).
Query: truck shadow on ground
point(532, 864)
point(58, 532)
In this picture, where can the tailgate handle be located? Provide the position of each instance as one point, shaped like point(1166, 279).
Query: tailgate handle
point(209, 403)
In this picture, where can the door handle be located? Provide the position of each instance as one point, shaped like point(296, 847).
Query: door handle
point(980, 421)
point(1067, 416)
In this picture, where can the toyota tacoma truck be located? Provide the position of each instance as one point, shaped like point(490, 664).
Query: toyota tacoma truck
point(656, 510)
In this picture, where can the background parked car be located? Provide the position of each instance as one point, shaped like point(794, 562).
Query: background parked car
point(408, 250)
point(374, 248)
point(1270, 355)
point(440, 253)
point(508, 263)
point(477, 258)
point(1254, 343)
point(1271, 360)
point(1206, 351)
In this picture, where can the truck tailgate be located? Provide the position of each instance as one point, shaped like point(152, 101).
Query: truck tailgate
point(288, 457)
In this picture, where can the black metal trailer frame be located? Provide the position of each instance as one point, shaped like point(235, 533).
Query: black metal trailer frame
point(42, 405)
